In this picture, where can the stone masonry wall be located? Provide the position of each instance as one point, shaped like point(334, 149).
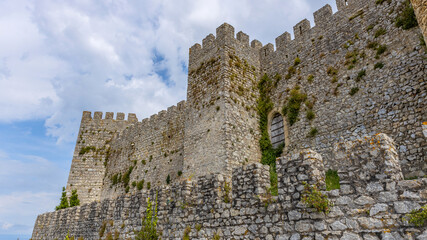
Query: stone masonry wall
point(338, 56)
point(371, 203)
point(94, 138)
point(221, 126)
point(152, 149)
point(218, 130)
point(356, 91)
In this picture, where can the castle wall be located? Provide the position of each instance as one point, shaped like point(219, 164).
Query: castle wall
point(371, 203)
point(221, 128)
point(390, 99)
point(213, 139)
point(152, 148)
point(93, 141)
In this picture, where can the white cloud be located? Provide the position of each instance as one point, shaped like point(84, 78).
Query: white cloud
point(18, 210)
point(6, 226)
point(30, 173)
point(28, 186)
point(58, 58)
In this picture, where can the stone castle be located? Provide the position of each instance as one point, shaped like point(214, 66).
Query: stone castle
point(363, 115)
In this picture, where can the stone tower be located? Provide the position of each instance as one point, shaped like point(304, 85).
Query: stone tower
point(90, 154)
point(221, 129)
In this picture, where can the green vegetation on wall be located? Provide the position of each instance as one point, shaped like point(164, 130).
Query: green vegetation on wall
point(269, 154)
point(378, 2)
point(187, 232)
point(293, 105)
point(379, 65)
point(379, 32)
point(87, 149)
point(149, 223)
point(353, 91)
point(312, 197)
point(65, 203)
point(74, 199)
point(332, 180)
point(63, 200)
point(417, 217)
point(406, 19)
point(313, 132)
point(117, 178)
point(140, 185)
point(227, 191)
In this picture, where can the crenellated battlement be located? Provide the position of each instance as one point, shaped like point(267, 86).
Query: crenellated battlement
point(172, 110)
point(324, 19)
point(343, 5)
point(131, 117)
point(225, 36)
point(87, 116)
point(323, 15)
point(303, 33)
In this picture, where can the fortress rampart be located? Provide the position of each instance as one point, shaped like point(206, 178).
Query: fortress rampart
point(370, 204)
point(153, 149)
point(336, 57)
point(216, 129)
point(356, 74)
point(88, 168)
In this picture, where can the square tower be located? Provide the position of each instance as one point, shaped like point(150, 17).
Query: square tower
point(221, 130)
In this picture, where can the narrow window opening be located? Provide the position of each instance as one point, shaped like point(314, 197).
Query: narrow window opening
point(286, 56)
point(300, 30)
point(277, 132)
point(346, 2)
point(265, 52)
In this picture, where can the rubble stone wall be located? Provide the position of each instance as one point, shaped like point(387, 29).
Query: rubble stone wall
point(355, 90)
point(370, 204)
point(93, 141)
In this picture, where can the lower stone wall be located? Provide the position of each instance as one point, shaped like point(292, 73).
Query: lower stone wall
point(371, 203)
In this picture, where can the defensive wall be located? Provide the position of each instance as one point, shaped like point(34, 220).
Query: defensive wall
point(105, 147)
point(361, 75)
point(353, 90)
point(148, 151)
point(90, 154)
point(370, 204)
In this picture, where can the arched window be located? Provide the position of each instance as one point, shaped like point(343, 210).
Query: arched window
point(277, 133)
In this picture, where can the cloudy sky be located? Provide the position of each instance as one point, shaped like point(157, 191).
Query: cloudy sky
point(58, 58)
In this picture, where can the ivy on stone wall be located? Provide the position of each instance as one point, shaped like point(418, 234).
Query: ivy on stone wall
point(293, 105)
point(268, 153)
